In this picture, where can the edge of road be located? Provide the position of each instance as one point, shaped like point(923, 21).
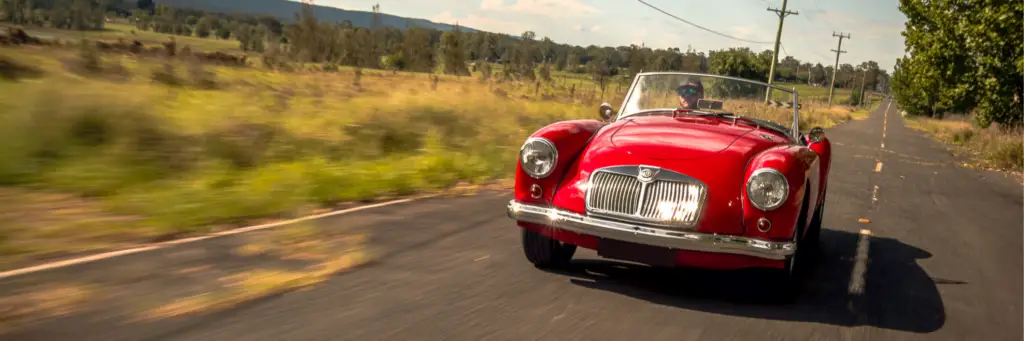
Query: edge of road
point(163, 245)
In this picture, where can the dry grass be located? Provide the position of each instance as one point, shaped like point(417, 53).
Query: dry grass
point(53, 300)
point(987, 148)
point(812, 114)
point(251, 285)
point(327, 256)
point(45, 224)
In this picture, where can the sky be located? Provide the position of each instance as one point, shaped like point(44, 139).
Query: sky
point(874, 25)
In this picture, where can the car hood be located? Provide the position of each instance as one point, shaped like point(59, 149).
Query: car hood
point(714, 153)
point(681, 138)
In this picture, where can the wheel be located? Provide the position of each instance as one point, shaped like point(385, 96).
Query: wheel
point(813, 238)
point(546, 252)
point(784, 282)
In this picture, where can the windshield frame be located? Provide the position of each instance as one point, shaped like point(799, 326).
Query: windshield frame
point(794, 129)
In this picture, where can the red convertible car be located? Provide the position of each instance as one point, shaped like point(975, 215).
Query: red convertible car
point(694, 170)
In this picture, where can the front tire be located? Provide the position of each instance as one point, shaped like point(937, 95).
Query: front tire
point(785, 281)
point(546, 252)
point(813, 240)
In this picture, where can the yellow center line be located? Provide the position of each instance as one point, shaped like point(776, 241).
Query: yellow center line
point(878, 167)
point(885, 122)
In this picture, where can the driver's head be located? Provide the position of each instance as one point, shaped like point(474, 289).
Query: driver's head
point(690, 91)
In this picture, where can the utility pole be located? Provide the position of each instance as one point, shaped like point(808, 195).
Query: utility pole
point(775, 55)
point(373, 36)
point(373, 23)
point(863, 79)
point(835, 69)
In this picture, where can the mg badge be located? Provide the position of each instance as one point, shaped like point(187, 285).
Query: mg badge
point(647, 174)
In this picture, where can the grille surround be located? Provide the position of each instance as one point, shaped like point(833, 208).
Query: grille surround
point(630, 187)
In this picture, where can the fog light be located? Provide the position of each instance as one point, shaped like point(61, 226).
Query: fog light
point(536, 191)
point(764, 225)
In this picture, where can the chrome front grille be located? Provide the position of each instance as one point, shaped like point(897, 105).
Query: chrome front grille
point(646, 194)
point(615, 193)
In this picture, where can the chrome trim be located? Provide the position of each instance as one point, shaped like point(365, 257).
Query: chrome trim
point(654, 73)
point(658, 174)
point(629, 92)
point(554, 156)
point(795, 130)
point(677, 240)
point(536, 191)
point(816, 134)
point(796, 116)
point(767, 170)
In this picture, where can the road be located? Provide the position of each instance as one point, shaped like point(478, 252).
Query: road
point(939, 259)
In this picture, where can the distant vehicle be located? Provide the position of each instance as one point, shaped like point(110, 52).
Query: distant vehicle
point(673, 179)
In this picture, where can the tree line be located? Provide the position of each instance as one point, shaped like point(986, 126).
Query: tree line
point(524, 57)
point(962, 58)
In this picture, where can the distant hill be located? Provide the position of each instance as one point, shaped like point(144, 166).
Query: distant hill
point(285, 11)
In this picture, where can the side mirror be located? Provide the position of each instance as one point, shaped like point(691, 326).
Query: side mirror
point(816, 134)
point(606, 111)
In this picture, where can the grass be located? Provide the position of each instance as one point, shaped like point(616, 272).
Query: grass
point(863, 113)
point(173, 148)
point(990, 148)
point(326, 257)
point(255, 284)
point(819, 93)
point(44, 302)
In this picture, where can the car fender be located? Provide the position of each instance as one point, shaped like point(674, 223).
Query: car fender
point(800, 166)
point(569, 138)
point(823, 147)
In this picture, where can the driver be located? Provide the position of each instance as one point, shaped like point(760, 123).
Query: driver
point(689, 92)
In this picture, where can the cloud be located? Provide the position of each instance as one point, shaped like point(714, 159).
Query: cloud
point(640, 37)
point(581, 28)
point(751, 33)
point(869, 28)
point(492, 4)
point(481, 23)
point(548, 8)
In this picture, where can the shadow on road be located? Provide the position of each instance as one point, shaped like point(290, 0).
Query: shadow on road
point(898, 295)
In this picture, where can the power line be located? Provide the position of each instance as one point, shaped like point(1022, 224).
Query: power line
point(701, 27)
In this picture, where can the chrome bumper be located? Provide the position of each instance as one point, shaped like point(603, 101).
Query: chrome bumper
point(610, 229)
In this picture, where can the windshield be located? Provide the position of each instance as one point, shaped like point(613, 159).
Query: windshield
point(661, 92)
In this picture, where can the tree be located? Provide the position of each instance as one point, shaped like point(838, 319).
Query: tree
point(959, 65)
point(602, 66)
point(147, 5)
point(416, 50)
point(738, 62)
point(452, 55)
point(207, 25)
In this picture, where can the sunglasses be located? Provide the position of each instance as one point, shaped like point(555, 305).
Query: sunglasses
point(686, 90)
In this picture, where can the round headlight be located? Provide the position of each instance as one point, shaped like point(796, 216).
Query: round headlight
point(767, 189)
point(538, 157)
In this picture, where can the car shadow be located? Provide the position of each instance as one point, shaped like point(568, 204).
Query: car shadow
point(898, 294)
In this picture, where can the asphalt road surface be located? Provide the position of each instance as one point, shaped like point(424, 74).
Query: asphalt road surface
point(939, 259)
